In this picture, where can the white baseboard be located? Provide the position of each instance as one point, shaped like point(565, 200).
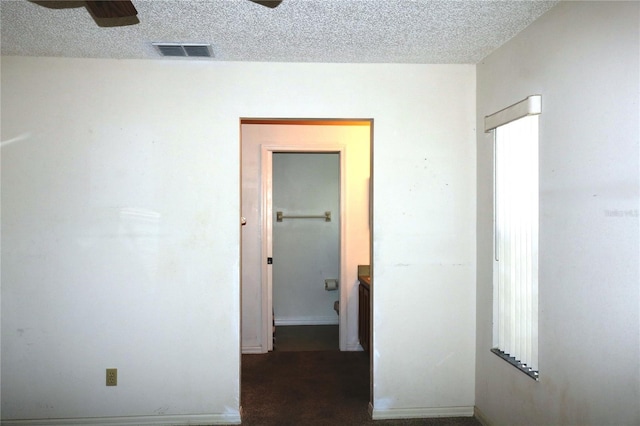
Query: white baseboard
point(479, 415)
point(354, 348)
point(194, 419)
point(419, 413)
point(328, 320)
point(253, 350)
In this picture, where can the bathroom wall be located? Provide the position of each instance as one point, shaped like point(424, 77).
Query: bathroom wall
point(305, 251)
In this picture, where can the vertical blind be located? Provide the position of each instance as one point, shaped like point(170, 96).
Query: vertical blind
point(515, 271)
point(516, 243)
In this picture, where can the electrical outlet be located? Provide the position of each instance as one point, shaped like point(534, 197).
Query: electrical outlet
point(112, 377)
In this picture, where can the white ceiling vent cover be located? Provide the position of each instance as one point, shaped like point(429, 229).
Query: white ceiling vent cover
point(197, 50)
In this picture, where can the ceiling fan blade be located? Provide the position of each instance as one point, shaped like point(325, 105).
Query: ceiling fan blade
point(268, 3)
point(111, 9)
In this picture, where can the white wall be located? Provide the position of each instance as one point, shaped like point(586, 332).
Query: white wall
point(120, 228)
point(423, 244)
point(306, 252)
point(116, 250)
point(582, 57)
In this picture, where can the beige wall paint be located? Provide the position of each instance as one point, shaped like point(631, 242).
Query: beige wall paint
point(583, 58)
point(121, 234)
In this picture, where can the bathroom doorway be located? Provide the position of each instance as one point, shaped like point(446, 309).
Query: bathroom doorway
point(305, 241)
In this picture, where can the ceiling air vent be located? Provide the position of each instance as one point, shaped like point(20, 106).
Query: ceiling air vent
point(184, 49)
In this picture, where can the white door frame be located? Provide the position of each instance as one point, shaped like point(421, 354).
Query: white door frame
point(266, 159)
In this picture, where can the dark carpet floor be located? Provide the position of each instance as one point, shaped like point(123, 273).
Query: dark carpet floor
point(314, 388)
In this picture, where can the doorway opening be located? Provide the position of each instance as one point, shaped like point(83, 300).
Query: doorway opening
point(346, 145)
point(348, 140)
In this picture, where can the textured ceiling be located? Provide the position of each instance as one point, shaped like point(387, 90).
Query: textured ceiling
point(356, 31)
